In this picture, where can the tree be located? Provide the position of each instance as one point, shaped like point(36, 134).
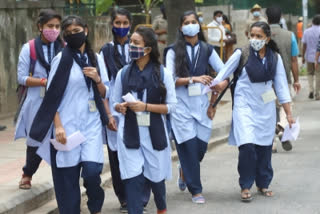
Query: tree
point(102, 6)
point(174, 9)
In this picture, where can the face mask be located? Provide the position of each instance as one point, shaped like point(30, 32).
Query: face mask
point(136, 52)
point(190, 29)
point(50, 34)
point(219, 19)
point(257, 44)
point(201, 19)
point(256, 13)
point(121, 32)
point(75, 41)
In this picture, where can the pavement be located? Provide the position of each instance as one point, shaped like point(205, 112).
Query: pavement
point(40, 199)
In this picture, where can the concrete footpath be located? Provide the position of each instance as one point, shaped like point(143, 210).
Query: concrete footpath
point(40, 199)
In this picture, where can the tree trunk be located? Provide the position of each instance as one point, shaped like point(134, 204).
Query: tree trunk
point(174, 9)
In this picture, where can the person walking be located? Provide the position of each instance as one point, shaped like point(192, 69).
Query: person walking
point(258, 71)
point(77, 86)
point(310, 41)
point(257, 17)
point(144, 150)
point(188, 59)
point(116, 56)
point(33, 69)
point(288, 49)
point(299, 33)
point(317, 70)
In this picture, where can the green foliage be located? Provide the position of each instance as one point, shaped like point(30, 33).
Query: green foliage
point(103, 6)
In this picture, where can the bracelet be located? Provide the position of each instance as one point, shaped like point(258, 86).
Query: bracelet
point(42, 81)
point(145, 109)
point(99, 81)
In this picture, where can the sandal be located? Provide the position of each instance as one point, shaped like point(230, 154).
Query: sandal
point(246, 195)
point(265, 192)
point(25, 182)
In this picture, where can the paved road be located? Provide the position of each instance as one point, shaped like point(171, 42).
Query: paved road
point(296, 177)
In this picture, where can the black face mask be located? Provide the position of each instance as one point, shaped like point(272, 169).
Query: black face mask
point(75, 41)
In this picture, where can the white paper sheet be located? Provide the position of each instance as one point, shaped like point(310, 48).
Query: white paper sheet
point(207, 88)
point(44, 152)
point(73, 141)
point(293, 133)
point(130, 99)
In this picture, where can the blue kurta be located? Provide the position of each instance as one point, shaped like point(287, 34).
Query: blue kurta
point(112, 135)
point(155, 165)
point(254, 121)
point(75, 116)
point(190, 119)
point(33, 99)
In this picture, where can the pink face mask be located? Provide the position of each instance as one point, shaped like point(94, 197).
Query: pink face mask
point(51, 34)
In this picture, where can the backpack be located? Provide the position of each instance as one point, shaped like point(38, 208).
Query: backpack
point(22, 89)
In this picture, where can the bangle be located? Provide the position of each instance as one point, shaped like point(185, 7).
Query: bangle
point(145, 109)
point(42, 81)
point(99, 81)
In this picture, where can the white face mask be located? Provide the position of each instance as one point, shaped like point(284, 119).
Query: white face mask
point(190, 29)
point(257, 44)
point(219, 19)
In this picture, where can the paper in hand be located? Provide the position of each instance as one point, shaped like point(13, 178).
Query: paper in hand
point(73, 141)
point(207, 88)
point(129, 98)
point(291, 134)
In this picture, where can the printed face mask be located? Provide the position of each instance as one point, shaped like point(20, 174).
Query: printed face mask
point(219, 19)
point(190, 29)
point(50, 34)
point(136, 52)
point(256, 14)
point(75, 41)
point(121, 32)
point(257, 44)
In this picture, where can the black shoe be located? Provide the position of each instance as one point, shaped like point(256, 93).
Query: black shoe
point(311, 95)
point(286, 145)
point(2, 128)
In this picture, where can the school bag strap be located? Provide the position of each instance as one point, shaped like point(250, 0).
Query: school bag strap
point(33, 56)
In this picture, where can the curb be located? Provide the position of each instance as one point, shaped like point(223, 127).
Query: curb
point(41, 199)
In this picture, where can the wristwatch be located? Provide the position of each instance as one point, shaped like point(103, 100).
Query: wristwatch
point(190, 80)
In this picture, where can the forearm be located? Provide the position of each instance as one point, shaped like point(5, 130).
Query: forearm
point(304, 48)
point(213, 98)
point(101, 88)
point(56, 121)
point(182, 81)
point(34, 82)
point(295, 69)
point(106, 106)
point(287, 109)
point(317, 56)
point(157, 108)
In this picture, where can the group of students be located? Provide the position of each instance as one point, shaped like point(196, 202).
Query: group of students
point(73, 89)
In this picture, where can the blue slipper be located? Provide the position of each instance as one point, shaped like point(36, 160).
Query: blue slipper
point(181, 184)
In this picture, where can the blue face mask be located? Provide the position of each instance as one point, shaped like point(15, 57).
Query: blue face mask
point(121, 32)
point(201, 20)
point(256, 14)
point(190, 29)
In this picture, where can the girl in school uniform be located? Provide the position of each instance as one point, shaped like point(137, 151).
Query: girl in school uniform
point(254, 111)
point(116, 55)
point(33, 70)
point(74, 102)
point(143, 146)
point(188, 60)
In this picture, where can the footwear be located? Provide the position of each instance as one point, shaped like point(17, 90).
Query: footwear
point(198, 199)
point(123, 208)
point(286, 145)
point(265, 192)
point(2, 128)
point(181, 183)
point(25, 182)
point(162, 211)
point(246, 195)
point(145, 210)
point(311, 95)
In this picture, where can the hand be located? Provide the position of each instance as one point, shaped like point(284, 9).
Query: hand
point(290, 120)
point(137, 106)
point(204, 79)
point(297, 87)
point(303, 60)
point(112, 125)
point(211, 111)
point(316, 65)
point(61, 135)
point(44, 82)
point(220, 87)
point(92, 73)
point(122, 108)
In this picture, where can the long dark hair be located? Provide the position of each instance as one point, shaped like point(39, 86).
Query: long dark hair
point(45, 16)
point(226, 20)
point(77, 20)
point(114, 14)
point(150, 40)
point(181, 64)
point(266, 29)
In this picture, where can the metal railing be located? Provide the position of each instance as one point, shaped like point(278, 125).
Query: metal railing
point(78, 7)
point(221, 38)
